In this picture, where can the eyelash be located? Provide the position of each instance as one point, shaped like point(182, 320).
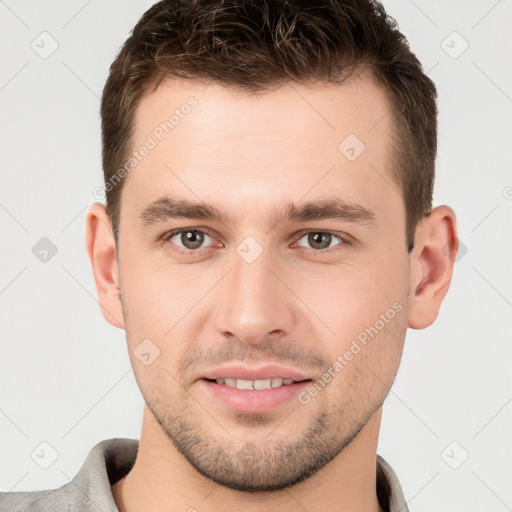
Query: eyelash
point(165, 239)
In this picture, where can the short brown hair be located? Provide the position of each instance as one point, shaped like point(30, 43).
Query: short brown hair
point(258, 44)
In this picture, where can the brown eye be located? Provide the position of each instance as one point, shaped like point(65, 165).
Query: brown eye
point(320, 240)
point(188, 238)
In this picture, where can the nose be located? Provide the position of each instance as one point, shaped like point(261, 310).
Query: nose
point(256, 301)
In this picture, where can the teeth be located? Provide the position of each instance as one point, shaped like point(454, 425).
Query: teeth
point(244, 384)
point(255, 384)
point(277, 382)
point(262, 384)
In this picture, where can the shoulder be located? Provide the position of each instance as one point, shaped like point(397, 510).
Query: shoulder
point(37, 501)
point(90, 489)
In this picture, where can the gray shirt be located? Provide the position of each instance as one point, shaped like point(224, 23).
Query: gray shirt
point(111, 459)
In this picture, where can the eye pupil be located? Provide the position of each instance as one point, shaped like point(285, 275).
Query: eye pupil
point(192, 239)
point(323, 239)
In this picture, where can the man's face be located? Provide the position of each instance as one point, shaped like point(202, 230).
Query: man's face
point(262, 294)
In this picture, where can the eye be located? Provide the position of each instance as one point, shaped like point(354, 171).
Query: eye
point(192, 240)
point(321, 240)
point(189, 239)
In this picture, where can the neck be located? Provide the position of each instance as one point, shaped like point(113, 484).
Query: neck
point(162, 479)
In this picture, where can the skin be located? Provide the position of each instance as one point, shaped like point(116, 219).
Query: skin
point(293, 305)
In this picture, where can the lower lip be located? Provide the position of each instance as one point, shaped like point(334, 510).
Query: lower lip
point(257, 401)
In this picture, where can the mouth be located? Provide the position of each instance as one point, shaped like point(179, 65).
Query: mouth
point(253, 396)
point(256, 385)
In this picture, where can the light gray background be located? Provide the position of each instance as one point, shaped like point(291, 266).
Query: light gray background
point(66, 378)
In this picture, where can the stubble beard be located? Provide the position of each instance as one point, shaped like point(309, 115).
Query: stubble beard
point(264, 465)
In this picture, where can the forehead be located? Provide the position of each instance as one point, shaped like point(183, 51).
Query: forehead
point(209, 142)
point(321, 112)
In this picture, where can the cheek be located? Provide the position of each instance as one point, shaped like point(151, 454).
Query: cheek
point(161, 306)
point(368, 357)
point(157, 294)
point(357, 300)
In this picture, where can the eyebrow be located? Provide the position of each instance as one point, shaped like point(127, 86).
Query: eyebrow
point(168, 207)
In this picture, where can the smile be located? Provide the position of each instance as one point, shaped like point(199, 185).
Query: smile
point(259, 385)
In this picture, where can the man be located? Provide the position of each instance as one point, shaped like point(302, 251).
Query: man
point(267, 240)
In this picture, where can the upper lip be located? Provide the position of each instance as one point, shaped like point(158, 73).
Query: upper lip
point(262, 373)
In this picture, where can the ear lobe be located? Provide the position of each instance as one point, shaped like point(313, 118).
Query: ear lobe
point(100, 245)
point(432, 259)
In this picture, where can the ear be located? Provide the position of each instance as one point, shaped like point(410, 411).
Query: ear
point(100, 245)
point(432, 259)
